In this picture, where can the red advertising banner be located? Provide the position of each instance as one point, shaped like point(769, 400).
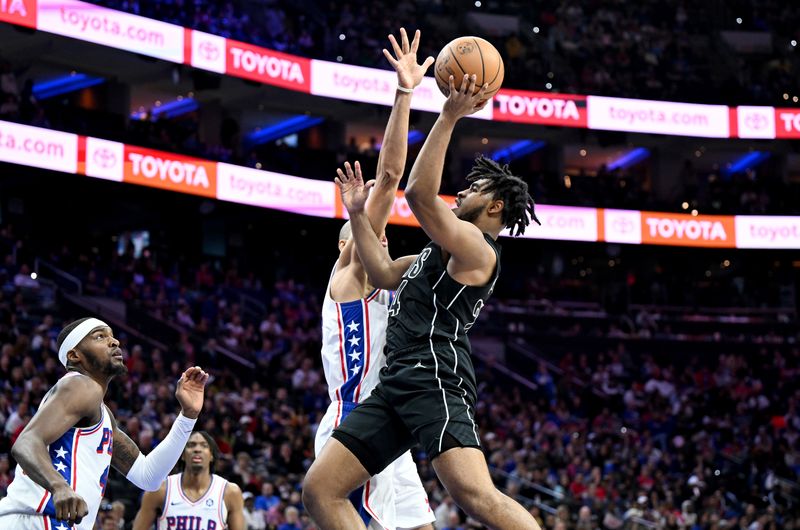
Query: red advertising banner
point(267, 66)
point(787, 123)
point(541, 108)
point(169, 171)
point(20, 12)
point(688, 230)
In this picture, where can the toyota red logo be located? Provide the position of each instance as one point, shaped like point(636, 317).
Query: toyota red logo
point(622, 225)
point(208, 50)
point(755, 121)
point(104, 158)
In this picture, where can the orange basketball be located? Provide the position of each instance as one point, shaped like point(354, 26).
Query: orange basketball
point(469, 55)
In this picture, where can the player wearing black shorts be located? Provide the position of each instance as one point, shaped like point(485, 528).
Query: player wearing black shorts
point(428, 350)
point(427, 391)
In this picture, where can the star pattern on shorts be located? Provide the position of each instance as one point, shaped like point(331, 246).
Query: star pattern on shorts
point(61, 452)
point(352, 349)
point(60, 467)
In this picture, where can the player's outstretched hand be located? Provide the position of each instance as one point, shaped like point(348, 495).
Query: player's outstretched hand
point(190, 391)
point(70, 506)
point(465, 100)
point(352, 187)
point(404, 61)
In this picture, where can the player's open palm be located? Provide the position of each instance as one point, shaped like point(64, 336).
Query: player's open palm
point(352, 187)
point(190, 391)
point(69, 505)
point(404, 60)
point(465, 100)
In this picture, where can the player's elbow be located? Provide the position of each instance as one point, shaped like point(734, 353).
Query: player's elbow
point(391, 176)
point(16, 449)
point(19, 449)
point(412, 195)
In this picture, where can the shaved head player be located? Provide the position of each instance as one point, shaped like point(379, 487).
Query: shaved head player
point(355, 315)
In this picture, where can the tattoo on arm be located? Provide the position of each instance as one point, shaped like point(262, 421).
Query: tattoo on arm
point(125, 451)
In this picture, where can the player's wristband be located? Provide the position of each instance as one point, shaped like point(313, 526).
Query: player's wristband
point(404, 89)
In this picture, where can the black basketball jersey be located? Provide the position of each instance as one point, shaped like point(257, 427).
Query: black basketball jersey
point(430, 306)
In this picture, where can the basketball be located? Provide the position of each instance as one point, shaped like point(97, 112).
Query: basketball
point(469, 55)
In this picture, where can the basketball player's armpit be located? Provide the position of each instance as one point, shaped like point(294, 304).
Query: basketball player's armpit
point(125, 452)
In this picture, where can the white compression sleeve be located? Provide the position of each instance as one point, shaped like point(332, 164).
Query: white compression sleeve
point(148, 472)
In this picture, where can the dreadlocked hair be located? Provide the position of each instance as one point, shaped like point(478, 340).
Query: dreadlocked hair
point(518, 205)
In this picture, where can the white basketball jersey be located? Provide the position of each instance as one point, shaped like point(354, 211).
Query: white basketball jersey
point(353, 337)
point(207, 513)
point(83, 457)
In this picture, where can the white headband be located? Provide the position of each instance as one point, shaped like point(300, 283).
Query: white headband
point(77, 335)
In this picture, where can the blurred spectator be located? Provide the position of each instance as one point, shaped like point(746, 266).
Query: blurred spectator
point(292, 515)
point(254, 518)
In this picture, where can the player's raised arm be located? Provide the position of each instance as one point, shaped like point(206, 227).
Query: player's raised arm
point(149, 472)
point(394, 148)
point(463, 240)
point(348, 282)
point(382, 270)
point(72, 400)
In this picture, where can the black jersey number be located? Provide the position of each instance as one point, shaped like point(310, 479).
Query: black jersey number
point(395, 307)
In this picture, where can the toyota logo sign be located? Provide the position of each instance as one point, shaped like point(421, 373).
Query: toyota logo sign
point(622, 225)
point(755, 121)
point(104, 158)
point(208, 50)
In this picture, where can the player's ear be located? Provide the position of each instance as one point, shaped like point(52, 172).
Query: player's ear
point(73, 357)
point(496, 206)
